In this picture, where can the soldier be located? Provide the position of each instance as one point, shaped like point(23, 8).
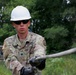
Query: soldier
point(21, 50)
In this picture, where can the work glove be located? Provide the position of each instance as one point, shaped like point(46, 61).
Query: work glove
point(34, 62)
point(40, 63)
point(27, 71)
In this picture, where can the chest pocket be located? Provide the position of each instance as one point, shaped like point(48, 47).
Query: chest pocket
point(26, 51)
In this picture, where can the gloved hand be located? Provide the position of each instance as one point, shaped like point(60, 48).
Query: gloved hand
point(27, 71)
point(40, 63)
point(34, 62)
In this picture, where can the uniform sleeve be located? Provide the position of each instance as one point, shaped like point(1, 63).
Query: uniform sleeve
point(11, 61)
point(40, 47)
point(40, 50)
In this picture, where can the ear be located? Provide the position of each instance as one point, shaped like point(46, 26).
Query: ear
point(29, 24)
point(13, 25)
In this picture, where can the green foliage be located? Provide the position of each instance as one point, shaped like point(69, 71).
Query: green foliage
point(6, 31)
point(73, 45)
point(61, 66)
point(55, 32)
point(53, 19)
point(56, 36)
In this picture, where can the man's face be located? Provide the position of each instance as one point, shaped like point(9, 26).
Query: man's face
point(21, 26)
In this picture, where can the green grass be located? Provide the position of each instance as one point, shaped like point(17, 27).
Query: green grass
point(54, 66)
point(61, 66)
point(3, 69)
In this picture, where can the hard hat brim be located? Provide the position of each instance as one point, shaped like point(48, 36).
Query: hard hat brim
point(20, 19)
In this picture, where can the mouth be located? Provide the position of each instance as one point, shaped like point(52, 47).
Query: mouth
point(22, 28)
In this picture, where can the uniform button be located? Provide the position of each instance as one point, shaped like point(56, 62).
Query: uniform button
point(21, 53)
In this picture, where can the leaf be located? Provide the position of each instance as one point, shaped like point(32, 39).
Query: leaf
point(53, 32)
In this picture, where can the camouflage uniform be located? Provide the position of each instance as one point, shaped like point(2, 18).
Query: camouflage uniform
point(17, 53)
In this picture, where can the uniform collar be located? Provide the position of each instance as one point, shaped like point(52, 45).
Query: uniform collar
point(17, 41)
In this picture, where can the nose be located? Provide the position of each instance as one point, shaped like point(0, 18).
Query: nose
point(21, 24)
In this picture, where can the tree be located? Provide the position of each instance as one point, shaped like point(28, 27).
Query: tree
point(55, 20)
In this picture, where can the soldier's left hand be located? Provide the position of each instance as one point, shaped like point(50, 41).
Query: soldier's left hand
point(34, 62)
point(40, 63)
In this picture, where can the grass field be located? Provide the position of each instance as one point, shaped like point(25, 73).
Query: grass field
point(54, 66)
point(61, 66)
point(3, 69)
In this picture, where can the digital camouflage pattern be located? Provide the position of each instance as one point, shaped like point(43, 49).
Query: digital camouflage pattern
point(17, 53)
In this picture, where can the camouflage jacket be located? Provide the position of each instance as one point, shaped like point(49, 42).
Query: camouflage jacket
point(17, 53)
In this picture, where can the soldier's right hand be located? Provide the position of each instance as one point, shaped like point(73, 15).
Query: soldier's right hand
point(27, 71)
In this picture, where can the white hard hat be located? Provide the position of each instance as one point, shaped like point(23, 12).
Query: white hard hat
point(20, 13)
